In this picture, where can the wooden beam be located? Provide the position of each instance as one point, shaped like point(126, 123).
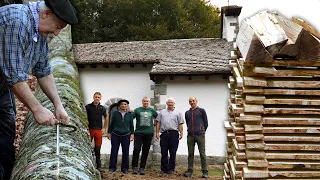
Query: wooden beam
point(291, 120)
point(254, 81)
point(118, 65)
point(105, 65)
point(306, 26)
point(131, 65)
point(145, 65)
point(260, 91)
point(258, 163)
point(293, 130)
point(293, 110)
point(292, 155)
point(292, 147)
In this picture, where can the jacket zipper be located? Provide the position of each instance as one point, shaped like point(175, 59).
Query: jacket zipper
point(192, 123)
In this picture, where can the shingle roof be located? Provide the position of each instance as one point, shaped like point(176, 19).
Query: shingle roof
point(178, 56)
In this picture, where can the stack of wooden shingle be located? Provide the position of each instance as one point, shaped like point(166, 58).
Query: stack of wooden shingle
point(273, 130)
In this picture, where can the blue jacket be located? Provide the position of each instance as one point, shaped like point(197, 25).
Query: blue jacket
point(197, 121)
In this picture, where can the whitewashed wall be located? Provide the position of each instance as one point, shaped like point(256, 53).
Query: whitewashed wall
point(125, 82)
point(212, 95)
point(134, 83)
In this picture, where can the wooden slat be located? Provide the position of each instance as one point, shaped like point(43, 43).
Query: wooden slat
point(254, 81)
point(253, 108)
point(273, 72)
point(295, 174)
point(249, 119)
point(250, 137)
point(291, 120)
point(260, 91)
point(306, 26)
point(293, 84)
point(289, 129)
point(290, 100)
point(257, 145)
point(282, 110)
point(291, 138)
point(249, 128)
point(239, 163)
point(302, 165)
point(255, 154)
point(292, 147)
point(259, 163)
point(292, 155)
point(254, 173)
point(238, 77)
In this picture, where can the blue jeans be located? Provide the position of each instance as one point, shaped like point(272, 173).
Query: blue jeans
point(116, 140)
point(7, 133)
point(169, 141)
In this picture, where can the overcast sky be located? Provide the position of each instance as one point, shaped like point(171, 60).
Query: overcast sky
point(308, 10)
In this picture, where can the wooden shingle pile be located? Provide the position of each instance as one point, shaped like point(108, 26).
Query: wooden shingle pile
point(273, 130)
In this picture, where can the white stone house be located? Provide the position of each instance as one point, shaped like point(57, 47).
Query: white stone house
point(178, 68)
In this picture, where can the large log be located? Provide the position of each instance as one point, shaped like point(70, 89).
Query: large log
point(37, 158)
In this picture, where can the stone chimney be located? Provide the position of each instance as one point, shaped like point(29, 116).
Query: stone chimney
point(230, 22)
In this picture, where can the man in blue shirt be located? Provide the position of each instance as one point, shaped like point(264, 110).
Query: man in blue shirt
point(24, 50)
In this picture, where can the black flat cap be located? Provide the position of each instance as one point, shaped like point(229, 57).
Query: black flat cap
point(64, 10)
point(123, 100)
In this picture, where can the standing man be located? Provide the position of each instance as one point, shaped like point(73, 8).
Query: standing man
point(143, 135)
point(120, 132)
point(95, 111)
point(24, 49)
point(197, 123)
point(169, 124)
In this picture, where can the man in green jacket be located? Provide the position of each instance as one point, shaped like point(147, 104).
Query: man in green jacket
point(120, 131)
point(143, 135)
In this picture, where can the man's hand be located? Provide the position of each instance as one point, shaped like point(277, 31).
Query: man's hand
point(103, 130)
point(158, 135)
point(180, 136)
point(44, 116)
point(131, 110)
point(62, 115)
point(109, 136)
point(131, 137)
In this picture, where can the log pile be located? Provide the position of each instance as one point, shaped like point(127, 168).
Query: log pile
point(273, 131)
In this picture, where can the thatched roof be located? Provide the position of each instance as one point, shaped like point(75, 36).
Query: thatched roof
point(178, 56)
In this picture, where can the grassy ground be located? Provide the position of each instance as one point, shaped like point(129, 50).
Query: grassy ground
point(215, 173)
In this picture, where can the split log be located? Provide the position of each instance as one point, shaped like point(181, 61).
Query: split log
point(37, 158)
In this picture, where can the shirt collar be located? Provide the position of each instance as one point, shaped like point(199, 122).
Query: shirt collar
point(34, 8)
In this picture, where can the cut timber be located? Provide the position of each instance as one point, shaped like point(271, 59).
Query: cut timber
point(306, 26)
point(236, 73)
point(293, 32)
point(255, 154)
point(295, 174)
point(240, 154)
point(257, 34)
point(253, 108)
point(250, 137)
point(238, 146)
point(254, 173)
point(292, 84)
point(237, 109)
point(273, 72)
point(249, 128)
point(289, 129)
point(234, 173)
point(255, 145)
point(291, 138)
point(292, 147)
point(292, 155)
point(239, 163)
point(302, 165)
point(255, 99)
point(282, 110)
point(232, 63)
point(237, 128)
point(258, 163)
point(250, 119)
point(291, 120)
point(254, 81)
point(260, 91)
point(310, 47)
point(290, 100)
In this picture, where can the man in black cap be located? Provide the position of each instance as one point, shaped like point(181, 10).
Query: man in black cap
point(120, 131)
point(24, 50)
